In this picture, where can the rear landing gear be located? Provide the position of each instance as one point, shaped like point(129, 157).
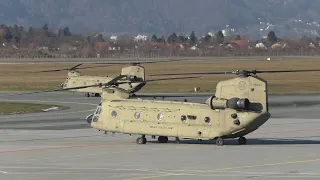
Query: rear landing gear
point(242, 140)
point(219, 141)
point(141, 140)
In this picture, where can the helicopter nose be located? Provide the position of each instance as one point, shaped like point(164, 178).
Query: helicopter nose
point(89, 119)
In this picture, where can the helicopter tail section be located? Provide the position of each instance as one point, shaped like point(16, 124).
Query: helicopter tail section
point(136, 74)
point(244, 103)
point(246, 93)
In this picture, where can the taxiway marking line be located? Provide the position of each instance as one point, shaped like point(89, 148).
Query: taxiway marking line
point(49, 101)
point(56, 148)
point(225, 169)
point(280, 132)
point(46, 114)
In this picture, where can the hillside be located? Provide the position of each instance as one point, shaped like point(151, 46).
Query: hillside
point(285, 17)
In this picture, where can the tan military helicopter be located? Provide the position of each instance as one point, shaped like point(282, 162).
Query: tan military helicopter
point(238, 107)
point(132, 78)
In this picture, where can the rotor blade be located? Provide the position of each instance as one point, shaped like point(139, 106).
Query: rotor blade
point(153, 80)
point(74, 67)
point(114, 80)
point(93, 67)
point(67, 69)
point(192, 73)
point(139, 62)
point(55, 90)
point(173, 95)
point(54, 70)
point(238, 72)
point(282, 71)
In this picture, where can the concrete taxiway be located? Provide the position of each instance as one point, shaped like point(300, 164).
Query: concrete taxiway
point(60, 145)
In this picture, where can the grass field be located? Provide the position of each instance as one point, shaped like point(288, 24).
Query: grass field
point(19, 78)
point(22, 108)
point(114, 59)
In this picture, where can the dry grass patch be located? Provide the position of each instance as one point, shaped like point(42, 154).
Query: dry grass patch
point(113, 59)
point(18, 77)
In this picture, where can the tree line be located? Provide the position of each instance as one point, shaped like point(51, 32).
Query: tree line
point(60, 42)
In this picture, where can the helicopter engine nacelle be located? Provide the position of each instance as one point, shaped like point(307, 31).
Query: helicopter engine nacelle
point(237, 103)
point(233, 103)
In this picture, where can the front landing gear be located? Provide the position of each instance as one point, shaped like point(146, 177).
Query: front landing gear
point(242, 140)
point(141, 140)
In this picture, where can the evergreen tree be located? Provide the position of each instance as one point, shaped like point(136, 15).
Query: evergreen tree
point(88, 39)
point(30, 31)
point(272, 38)
point(238, 37)
point(7, 34)
point(154, 38)
point(207, 38)
point(193, 38)
point(100, 38)
point(220, 37)
point(16, 33)
point(45, 29)
point(181, 38)
point(172, 38)
point(66, 32)
point(162, 39)
point(60, 32)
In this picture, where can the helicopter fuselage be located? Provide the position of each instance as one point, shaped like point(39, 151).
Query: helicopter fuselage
point(176, 119)
point(239, 107)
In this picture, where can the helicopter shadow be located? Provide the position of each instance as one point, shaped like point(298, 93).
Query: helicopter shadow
point(280, 141)
point(250, 141)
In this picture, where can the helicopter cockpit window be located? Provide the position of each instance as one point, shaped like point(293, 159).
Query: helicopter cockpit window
point(95, 118)
point(160, 116)
point(207, 119)
point(114, 114)
point(137, 115)
point(96, 114)
point(192, 117)
point(98, 111)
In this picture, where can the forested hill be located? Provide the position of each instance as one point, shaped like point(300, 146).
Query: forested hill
point(256, 17)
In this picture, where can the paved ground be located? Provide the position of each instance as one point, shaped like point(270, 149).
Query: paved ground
point(59, 145)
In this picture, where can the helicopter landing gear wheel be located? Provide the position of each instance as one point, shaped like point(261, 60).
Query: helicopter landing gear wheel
point(219, 141)
point(177, 140)
point(162, 139)
point(242, 140)
point(141, 140)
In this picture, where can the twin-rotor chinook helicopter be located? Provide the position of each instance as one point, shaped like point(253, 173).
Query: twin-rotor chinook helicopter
point(238, 107)
point(131, 79)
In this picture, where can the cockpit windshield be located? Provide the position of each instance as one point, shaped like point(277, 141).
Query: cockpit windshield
point(97, 113)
